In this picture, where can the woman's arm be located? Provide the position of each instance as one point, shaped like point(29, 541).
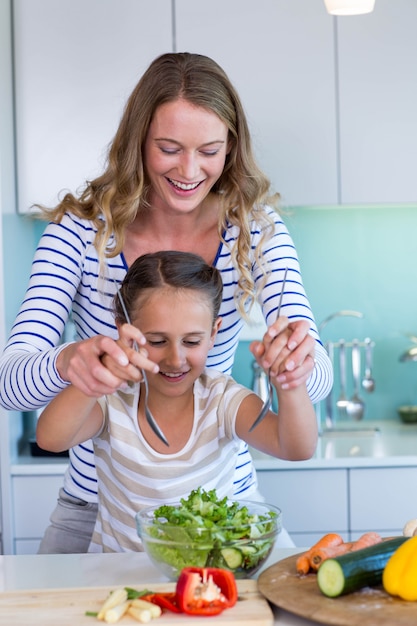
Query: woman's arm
point(28, 375)
point(74, 416)
point(65, 275)
point(280, 252)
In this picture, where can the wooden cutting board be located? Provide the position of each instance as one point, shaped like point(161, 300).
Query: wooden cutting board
point(67, 607)
point(282, 586)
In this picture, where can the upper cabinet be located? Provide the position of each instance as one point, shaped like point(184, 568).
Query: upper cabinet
point(76, 63)
point(279, 55)
point(377, 55)
point(330, 101)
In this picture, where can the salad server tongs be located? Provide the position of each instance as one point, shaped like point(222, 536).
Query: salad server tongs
point(149, 417)
point(268, 401)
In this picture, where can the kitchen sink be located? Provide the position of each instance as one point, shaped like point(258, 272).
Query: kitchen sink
point(350, 432)
point(374, 440)
point(348, 441)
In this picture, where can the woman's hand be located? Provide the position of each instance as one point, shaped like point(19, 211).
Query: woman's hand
point(100, 365)
point(287, 351)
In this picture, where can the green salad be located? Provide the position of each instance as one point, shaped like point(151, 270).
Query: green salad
point(205, 531)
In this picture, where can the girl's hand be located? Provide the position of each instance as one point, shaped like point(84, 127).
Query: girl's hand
point(99, 365)
point(287, 351)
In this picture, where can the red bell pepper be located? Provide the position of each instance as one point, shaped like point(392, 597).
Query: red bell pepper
point(205, 590)
point(164, 600)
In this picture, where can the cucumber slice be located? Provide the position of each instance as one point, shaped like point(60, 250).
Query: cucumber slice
point(232, 557)
point(249, 550)
point(352, 571)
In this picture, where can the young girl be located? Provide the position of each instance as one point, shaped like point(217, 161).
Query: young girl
point(174, 299)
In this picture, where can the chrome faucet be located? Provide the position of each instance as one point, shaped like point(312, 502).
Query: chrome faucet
point(330, 349)
point(411, 353)
point(343, 313)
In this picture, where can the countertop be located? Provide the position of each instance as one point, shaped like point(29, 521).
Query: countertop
point(24, 572)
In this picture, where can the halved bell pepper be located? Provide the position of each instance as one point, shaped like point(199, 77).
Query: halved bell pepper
point(206, 590)
point(399, 577)
point(164, 600)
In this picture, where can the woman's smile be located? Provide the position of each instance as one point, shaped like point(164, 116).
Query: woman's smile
point(183, 186)
point(185, 154)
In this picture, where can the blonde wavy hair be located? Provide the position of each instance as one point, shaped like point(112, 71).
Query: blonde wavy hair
point(113, 200)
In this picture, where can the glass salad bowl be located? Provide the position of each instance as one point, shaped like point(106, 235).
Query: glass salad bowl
point(234, 535)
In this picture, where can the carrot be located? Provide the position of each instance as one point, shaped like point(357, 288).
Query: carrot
point(303, 564)
point(367, 539)
point(321, 554)
point(329, 546)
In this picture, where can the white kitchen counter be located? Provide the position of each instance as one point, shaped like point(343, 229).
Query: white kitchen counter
point(23, 572)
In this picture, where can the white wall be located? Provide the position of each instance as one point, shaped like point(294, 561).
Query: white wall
point(7, 205)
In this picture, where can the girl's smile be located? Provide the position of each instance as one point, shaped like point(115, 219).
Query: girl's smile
point(172, 377)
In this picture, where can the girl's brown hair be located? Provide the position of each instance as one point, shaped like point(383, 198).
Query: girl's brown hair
point(122, 191)
point(176, 270)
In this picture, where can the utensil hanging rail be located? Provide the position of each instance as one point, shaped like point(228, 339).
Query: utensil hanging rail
point(349, 344)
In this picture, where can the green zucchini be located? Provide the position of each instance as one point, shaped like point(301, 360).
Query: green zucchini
point(354, 570)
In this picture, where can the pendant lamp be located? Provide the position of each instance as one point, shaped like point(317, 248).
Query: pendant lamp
point(349, 7)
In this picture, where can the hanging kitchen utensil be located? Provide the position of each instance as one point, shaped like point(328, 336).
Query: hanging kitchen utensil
point(329, 398)
point(342, 400)
point(368, 382)
point(356, 406)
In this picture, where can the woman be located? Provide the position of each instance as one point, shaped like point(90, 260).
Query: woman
point(180, 175)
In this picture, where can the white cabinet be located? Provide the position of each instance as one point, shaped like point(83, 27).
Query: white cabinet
point(330, 101)
point(76, 63)
point(349, 501)
point(34, 498)
point(279, 55)
point(382, 499)
point(313, 502)
point(378, 94)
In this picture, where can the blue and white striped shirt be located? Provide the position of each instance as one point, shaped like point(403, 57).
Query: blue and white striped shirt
point(65, 276)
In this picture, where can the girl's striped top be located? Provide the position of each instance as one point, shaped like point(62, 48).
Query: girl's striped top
point(133, 475)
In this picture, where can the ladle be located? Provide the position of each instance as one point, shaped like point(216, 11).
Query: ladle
point(356, 406)
point(368, 383)
point(329, 399)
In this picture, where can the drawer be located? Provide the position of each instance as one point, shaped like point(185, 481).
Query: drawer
point(34, 498)
point(26, 546)
point(382, 499)
point(312, 501)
